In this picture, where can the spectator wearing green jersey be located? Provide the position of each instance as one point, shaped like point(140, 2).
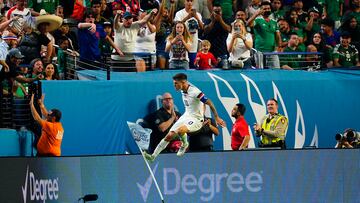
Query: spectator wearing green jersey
point(345, 54)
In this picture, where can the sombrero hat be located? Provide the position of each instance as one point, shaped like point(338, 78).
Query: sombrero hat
point(53, 20)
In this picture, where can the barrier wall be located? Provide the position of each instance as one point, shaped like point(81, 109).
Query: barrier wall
point(322, 175)
point(318, 105)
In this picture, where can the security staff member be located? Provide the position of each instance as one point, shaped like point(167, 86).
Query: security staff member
point(273, 127)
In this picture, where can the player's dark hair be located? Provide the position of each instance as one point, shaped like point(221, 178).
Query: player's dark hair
point(273, 99)
point(180, 76)
point(241, 108)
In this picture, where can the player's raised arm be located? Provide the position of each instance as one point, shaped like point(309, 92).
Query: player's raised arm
point(218, 120)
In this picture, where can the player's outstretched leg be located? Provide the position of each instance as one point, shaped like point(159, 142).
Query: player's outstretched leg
point(159, 148)
point(184, 146)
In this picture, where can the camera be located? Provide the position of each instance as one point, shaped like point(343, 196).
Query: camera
point(350, 136)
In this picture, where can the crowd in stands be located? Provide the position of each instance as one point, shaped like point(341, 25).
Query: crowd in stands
point(174, 34)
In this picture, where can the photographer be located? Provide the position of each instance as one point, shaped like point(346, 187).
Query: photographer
point(349, 139)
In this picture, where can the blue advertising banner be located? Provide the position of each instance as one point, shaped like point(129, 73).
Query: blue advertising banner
point(95, 113)
point(282, 176)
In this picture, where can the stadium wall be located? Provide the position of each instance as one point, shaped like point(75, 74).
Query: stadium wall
point(312, 175)
point(318, 105)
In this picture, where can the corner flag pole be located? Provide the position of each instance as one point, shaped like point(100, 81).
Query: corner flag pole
point(152, 174)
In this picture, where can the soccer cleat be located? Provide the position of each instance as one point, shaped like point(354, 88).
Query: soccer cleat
point(182, 149)
point(150, 158)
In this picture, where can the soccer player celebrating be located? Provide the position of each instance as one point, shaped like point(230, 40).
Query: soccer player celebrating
point(191, 120)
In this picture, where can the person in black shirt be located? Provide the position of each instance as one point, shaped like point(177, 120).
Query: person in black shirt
point(202, 140)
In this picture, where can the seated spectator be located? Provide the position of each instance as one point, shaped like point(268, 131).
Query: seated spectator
point(89, 35)
point(145, 45)
point(204, 59)
point(291, 62)
point(355, 12)
point(298, 7)
point(330, 36)
point(21, 89)
point(164, 26)
point(327, 50)
point(161, 121)
point(312, 61)
point(216, 31)
point(345, 54)
point(194, 23)
point(239, 44)
point(126, 33)
point(178, 44)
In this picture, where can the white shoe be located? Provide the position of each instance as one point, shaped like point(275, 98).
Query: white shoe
point(182, 149)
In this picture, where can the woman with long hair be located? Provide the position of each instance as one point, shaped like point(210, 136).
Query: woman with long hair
point(239, 43)
point(178, 44)
point(318, 41)
point(50, 72)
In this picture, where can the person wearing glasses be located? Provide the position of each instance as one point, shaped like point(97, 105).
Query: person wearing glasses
point(161, 121)
point(272, 127)
point(52, 130)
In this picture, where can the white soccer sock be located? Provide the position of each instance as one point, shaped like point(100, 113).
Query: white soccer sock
point(161, 146)
point(183, 138)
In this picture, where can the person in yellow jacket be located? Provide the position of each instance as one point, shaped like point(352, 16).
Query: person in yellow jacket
point(273, 127)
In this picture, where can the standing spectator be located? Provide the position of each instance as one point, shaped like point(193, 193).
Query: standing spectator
point(331, 36)
point(240, 136)
point(345, 54)
point(216, 31)
point(164, 25)
point(352, 26)
point(277, 11)
point(64, 31)
point(52, 131)
point(253, 8)
point(313, 24)
point(132, 6)
point(23, 14)
point(202, 7)
point(327, 50)
point(285, 31)
point(145, 45)
point(89, 35)
point(178, 44)
point(228, 7)
point(291, 62)
point(105, 47)
point(202, 140)
point(161, 121)
point(239, 43)
point(355, 12)
point(96, 10)
point(51, 72)
point(272, 127)
point(297, 26)
point(126, 33)
point(49, 6)
point(298, 7)
point(266, 32)
point(193, 22)
point(333, 9)
point(205, 60)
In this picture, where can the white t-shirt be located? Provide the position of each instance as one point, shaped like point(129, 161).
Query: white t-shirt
point(145, 41)
point(193, 106)
point(125, 38)
point(192, 25)
point(239, 50)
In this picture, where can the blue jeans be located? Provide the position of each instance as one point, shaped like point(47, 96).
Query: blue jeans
point(192, 57)
point(179, 64)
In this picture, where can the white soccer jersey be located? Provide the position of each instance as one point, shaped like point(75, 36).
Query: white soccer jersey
point(192, 102)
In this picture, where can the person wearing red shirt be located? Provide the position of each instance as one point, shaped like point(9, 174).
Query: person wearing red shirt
point(240, 135)
point(204, 59)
